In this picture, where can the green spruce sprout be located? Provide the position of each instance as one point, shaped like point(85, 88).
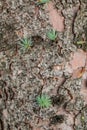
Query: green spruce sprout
point(81, 42)
point(52, 35)
point(43, 1)
point(44, 101)
point(26, 44)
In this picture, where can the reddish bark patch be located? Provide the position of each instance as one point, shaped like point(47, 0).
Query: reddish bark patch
point(78, 63)
point(55, 17)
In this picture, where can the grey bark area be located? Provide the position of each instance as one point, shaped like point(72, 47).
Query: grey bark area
point(41, 68)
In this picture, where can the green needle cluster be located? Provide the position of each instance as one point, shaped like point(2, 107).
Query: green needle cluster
point(52, 35)
point(26, 43)
point(43, 1)
point(44, 101)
